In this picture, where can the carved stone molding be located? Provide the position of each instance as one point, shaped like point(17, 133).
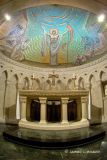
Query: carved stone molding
point(84, 99)
point(54, 94)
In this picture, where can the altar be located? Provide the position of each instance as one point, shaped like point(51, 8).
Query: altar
point(54, 110)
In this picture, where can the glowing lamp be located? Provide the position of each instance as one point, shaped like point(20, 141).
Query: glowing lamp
point(101, 18)
point(7, 17)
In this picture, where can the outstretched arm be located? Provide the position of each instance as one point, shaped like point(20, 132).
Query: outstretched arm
point(70, 30)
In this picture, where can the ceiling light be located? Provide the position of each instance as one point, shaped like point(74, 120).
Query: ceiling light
point(7, 17)
point(101, 18)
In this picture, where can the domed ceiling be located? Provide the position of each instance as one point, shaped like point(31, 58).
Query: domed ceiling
point(54, 35)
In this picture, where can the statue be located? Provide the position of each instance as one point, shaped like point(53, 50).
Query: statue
point(53, 76)
point(71, 83)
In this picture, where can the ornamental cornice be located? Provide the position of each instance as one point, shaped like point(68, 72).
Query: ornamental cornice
point(41, 93)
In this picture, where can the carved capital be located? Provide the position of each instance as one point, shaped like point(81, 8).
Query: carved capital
point(64, 100)
point(23, 99)
point(43, 100)
point(84, 99)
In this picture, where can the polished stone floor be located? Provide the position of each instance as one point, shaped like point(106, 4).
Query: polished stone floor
point(94, 151)
point(47, 139)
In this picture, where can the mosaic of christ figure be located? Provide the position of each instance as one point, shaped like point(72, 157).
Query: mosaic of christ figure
point(54, 46)
point(53, 40)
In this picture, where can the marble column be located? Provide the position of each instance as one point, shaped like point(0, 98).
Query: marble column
point(88, 87)
point(8, 95)
point(104, 118)
point(2, 98)
point(78, 101)
point(23, 100)
point(100, 96)
point(19, 87)
point(43, 109)
point(10, 100)
point(64, 110)
point(84, 108)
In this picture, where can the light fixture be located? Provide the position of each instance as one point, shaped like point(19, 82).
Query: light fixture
point(7, 17)
point(101, 18)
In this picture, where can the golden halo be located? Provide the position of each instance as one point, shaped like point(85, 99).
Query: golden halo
point(53, 31)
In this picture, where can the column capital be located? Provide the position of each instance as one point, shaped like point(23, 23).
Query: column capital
point(84, 99)
point(64, 99)
point(23, 99)
point(43, 99)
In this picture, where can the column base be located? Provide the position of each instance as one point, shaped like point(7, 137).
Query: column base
point(22, 122)
point(85, 122)
point(64, 122)
point(42, 122)
point(84, 119)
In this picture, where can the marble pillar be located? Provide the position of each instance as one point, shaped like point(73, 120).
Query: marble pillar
point(23, 100)
point(88, 87)
point(104, 118)
point(2, 97)
point(10, 100)
point(64, 110)
point(78, 101)
point(43, 109)
point(84, 108)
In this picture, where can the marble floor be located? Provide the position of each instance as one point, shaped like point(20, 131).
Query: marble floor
point(94, 151)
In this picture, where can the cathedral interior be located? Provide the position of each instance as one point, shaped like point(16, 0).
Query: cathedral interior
point(53, 79)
